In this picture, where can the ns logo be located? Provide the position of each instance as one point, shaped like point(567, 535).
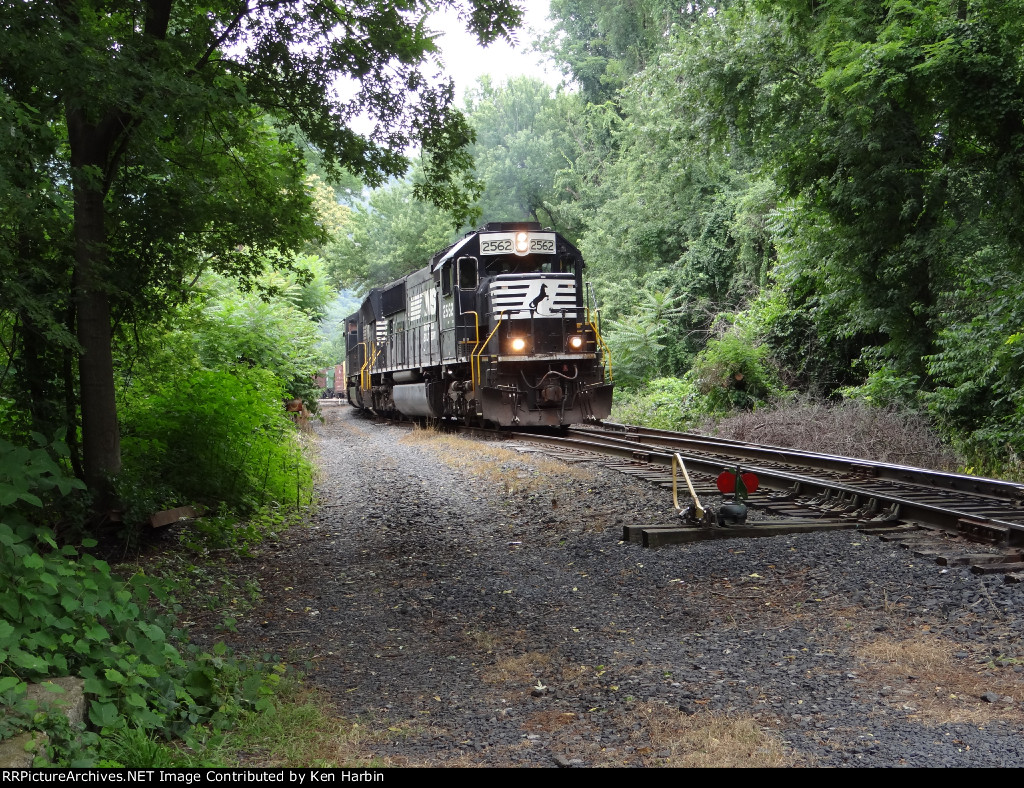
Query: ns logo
point(539, 300)
point(429, 304)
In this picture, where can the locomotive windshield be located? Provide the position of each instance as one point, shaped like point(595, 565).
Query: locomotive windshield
point(510, 264)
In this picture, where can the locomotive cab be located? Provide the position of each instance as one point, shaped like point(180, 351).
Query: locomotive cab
point(536, 356)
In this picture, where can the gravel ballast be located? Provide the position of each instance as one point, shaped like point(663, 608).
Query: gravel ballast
point(482, 608)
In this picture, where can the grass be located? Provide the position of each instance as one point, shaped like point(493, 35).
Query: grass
point(302, 730)
point(299, 730)
point(489, 641)
point(707, 740)
point(926, 677)
point(521, 668)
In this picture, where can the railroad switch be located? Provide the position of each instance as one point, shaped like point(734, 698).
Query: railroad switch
point(734, 512)
point(730, 512)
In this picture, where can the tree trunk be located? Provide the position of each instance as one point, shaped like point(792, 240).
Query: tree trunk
point(97, 137)
point(91, 148)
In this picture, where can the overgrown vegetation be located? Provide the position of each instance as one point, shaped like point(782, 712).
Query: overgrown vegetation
point(849, 429)
point(66, 613)
point(819, 197)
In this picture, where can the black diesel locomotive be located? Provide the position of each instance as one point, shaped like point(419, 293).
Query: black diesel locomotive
point(497, 329)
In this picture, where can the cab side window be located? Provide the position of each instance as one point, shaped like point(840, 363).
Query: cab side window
point(446, 279)
point(467, 273)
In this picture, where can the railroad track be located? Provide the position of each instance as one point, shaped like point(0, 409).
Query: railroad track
point(937, 514)
point(955, 519)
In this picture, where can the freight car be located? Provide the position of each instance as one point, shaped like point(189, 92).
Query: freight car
point(497, 329)
point(331, 382)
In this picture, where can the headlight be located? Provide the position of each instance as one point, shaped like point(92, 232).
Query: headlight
point(575, 342)
point(522, 243)
point(518, 345)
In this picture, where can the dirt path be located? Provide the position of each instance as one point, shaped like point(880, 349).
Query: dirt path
point(475, 606)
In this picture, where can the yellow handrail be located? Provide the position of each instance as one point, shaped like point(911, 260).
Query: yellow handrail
point(476, 343)
point(606, 353)
point(362, 369)
point(477, 353)
point(366, 371)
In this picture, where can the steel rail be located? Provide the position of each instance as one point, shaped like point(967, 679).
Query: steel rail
point(1002, 491)
point(851, 495)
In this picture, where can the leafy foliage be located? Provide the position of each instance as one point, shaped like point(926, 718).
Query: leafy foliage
point(521, 145)
point(215, 437)
point(601, 44)
point(638, 340)
point(662, 403)
point(733, 373)
point(393, 234)
point(203, 415)
point(65, 613)
point(979, 367)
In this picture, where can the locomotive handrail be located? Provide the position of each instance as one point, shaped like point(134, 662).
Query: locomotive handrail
point(476, 342)
point(366, 371)
point(362, 369)
point(478, 352)
point(606, 353)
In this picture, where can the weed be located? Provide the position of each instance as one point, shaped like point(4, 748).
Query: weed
point(300, 729)
point(942, 688)
point(133, 747)
point(521, 668)
point(707, 740)
point(851, 429)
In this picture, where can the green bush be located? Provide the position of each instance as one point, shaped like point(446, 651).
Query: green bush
point(977, 374)
point(213, 437)
point(732, 373)
point(66, 613)
point(663, 403)
point(885, 388)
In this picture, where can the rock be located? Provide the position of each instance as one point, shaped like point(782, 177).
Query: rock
point(19, 751)
point(56, 696)
point(63, 695)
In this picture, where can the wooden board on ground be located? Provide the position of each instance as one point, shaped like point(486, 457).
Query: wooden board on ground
point(656, 536)
point(168, 516)
point(876, 529)
point(995, 569)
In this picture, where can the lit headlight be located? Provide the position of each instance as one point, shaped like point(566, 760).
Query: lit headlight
point(575, 342)
point(518, 345)
point(522, 243)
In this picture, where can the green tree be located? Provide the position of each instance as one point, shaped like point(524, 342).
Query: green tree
point(151, 113)
point(520, 147)
point(600, 44)
point(671, 211)
point(895, 129)
point(391, 235)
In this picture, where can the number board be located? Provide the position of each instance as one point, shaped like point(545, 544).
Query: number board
point(505, 243)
